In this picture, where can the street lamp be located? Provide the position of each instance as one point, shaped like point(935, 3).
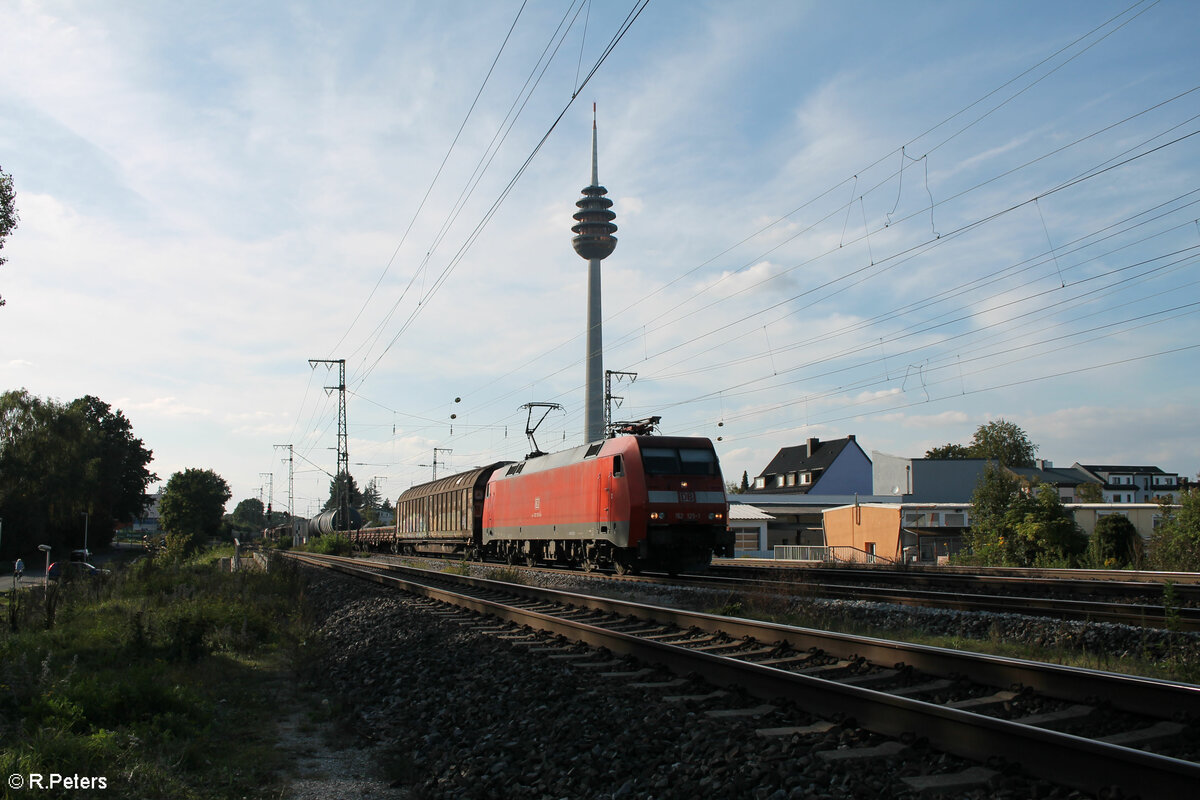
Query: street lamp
point(86, 554)
point(45, 548)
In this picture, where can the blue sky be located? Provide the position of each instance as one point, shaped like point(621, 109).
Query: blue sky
point(895, 221)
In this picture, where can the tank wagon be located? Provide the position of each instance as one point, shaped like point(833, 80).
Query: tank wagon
point(330, 522)
point(630, 502)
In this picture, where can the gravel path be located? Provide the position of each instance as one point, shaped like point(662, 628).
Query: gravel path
point(444, 711)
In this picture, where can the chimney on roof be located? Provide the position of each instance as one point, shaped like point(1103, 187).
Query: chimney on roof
point(813, 444)
point(1043, 463)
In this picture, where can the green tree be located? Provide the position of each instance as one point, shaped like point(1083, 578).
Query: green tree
point(335, 488)
point(250, 514)
point(58, 462)
point(948, 450)
point(1115, 544)
point(990, 536)
point(118, 470)
point(1000, 440)
point(43, 465)
point(192, 504)
point(8, 213)
point(1175, 544)
point(1044, 532)
point(1089, 492)
point(1003, 441)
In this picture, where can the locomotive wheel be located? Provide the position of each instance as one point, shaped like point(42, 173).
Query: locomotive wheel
point(510, 557)
point(587, 565)
point(530, 561)
point(621, 567)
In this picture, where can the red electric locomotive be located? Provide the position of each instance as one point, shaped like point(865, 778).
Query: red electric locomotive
point(629, 502)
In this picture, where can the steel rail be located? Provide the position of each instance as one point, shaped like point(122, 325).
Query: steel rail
point(1085, 763)
point(1094, 578)
point(1123, 613)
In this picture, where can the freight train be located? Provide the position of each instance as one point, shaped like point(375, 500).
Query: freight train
point(626, 503)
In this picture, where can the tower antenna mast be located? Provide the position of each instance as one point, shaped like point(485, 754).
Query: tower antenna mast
point(594, 241)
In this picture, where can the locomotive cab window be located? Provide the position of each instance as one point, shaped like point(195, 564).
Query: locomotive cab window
point(660, 460)
point(672, 461)
point(618, 467)
point(698, 462)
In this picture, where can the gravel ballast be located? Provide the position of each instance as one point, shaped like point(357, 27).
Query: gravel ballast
point(448, 711)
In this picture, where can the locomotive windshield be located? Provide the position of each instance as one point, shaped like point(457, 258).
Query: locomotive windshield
point(678, 461)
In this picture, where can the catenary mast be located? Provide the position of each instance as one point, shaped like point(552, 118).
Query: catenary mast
point(594, 241)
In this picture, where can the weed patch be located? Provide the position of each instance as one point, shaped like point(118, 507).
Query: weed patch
point(160, 678)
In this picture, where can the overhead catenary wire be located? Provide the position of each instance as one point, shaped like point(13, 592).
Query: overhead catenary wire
point(1056, 253)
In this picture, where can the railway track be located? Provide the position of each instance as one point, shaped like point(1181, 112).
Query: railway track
point(1082, 728)
point(1133, 602)
point(1105, 600)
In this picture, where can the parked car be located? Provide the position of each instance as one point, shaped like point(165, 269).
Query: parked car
point(74, 569)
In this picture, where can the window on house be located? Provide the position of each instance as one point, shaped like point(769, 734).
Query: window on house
point(806, 478)
point(791, 479)
point(760, 482)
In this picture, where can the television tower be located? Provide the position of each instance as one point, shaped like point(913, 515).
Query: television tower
point(594, 241)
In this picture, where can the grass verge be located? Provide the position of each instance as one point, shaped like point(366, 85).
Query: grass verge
point(160, 678)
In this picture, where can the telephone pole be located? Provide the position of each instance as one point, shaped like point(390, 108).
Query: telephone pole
point(436, 450)
point(343, 448)
point(291, 474)
point(270, 476)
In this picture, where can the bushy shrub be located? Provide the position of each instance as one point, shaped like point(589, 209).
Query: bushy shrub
point(1115, 543)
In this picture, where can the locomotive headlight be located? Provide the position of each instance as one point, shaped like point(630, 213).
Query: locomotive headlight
point(683, 484)
point(716, 515)
point(657, 515)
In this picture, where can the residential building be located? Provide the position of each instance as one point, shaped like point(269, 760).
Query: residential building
point(1132, 484)
point(148, 522)
point(838, 466)
point(925, 480)
point(1066, 480)
point(1144, 516)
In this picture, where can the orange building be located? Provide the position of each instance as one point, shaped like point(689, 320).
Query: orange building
point(895, 532)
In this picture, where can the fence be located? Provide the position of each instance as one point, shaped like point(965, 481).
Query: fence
point(837, 554)
point(801, 552)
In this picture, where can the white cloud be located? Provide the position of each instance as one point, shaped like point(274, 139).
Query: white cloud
point(194, 228)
